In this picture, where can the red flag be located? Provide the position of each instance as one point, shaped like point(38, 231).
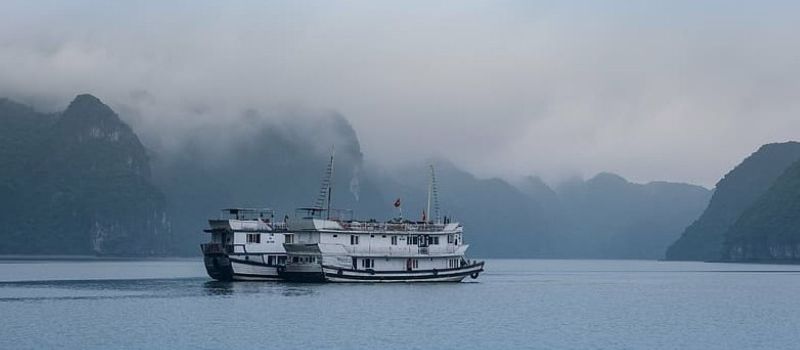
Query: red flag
point(397, 203)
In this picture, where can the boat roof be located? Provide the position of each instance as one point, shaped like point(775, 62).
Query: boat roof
point(235, 210)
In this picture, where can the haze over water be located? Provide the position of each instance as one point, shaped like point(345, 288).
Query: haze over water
point(537, 304)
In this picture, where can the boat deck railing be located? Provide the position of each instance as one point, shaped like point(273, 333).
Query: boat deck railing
point(219, 248)
point(402, 250)
point(213, 248)
point(391, 227)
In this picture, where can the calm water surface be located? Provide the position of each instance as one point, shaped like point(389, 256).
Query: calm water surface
point(534, 304)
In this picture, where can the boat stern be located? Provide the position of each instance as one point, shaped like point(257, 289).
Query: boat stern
point(218, 265)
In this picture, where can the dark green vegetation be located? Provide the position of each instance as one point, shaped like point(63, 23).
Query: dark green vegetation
point(749, 199)
point(79, 182)
point(76, 182)
point(769, 229)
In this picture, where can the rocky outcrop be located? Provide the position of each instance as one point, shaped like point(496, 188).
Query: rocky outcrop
point(703, 240)
point(80, 184)
point(769, 230)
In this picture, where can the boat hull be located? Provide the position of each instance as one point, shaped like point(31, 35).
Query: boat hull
point(334, 274)
point(224, 267)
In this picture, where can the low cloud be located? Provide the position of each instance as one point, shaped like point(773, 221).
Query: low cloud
point(669, 90)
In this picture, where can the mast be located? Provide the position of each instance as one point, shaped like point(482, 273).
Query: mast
point(433, 196)
point(430, 193)
point(326, 189)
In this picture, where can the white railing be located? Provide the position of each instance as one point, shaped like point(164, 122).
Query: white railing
point(391, 227)
point(401, 250)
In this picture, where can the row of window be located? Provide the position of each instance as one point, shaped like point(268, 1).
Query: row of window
point(452, 263)
point(304, 259)
point(276, 260)
point(367, 263)
point(413, 240)
point(410, 263)
point(256, 238)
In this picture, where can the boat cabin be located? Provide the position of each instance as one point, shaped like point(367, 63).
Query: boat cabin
point(247, 230)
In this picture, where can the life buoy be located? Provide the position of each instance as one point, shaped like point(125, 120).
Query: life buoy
point(474, 275)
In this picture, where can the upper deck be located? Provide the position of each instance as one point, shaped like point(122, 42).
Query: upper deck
point(314, 219)
point(246, 219)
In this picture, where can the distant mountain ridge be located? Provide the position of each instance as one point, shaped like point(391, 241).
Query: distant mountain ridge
point(607, 216)
point(603, 217)
point(104, 199)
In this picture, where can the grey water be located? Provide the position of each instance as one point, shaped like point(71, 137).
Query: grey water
point(525, 304)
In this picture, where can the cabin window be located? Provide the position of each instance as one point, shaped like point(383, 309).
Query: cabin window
point(355, 264)
point(295, 259)
point(394, 240)
point(384, 236)
point(453, 263)
point(353, 239)
point(367, 263)
point(415, 263)
point(281, 260)
point(450, 238)
point(253, 238)
point(288, 239)
point(371, 236)
point(436, 240)
point(334, 236)
point(270, 260)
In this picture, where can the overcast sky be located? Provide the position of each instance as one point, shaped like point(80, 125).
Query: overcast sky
point(671, 90)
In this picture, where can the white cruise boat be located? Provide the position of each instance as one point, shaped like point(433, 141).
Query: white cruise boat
point(333, 249)
point(330, 246)
point(246, 244)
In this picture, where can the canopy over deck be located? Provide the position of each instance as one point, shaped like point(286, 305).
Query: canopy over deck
point(247, 213)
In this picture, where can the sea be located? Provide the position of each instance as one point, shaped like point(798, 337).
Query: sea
point(514, 304)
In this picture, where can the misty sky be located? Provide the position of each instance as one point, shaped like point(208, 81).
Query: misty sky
point(671, 90)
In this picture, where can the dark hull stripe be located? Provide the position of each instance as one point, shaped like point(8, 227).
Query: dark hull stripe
point(377, 277)
point(252, 275)
point(417, 275)
point(440, 271)
point(304, 277)
point(250, 262)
